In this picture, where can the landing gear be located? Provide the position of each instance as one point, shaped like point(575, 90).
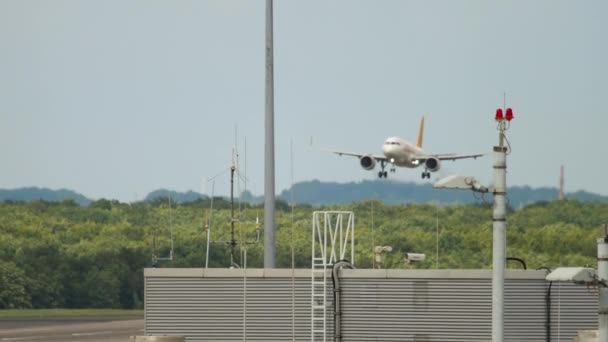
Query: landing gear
point(383, 173)
point(426, 174)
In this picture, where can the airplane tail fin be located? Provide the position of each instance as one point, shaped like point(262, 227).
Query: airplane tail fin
point(420, 133)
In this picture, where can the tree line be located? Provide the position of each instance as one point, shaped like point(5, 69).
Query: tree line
point(59, 254)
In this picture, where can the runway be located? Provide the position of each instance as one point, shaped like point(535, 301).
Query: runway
point(78, 329)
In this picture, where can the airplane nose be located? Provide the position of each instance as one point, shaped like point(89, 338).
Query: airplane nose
point(387, 149)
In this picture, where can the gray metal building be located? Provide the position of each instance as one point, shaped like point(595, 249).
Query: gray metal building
point(377, 305)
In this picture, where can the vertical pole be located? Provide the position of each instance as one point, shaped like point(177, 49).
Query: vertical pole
point(170, 228)
point(269, 223)
point(293, 260)
point(561, 183)
point(437, 237)
point(499, 236)
point(373, 240)
point(352, 239)
point(232, 238)
point(602, 272)
point(244, 252)
point(209, 224)
point(325, 262)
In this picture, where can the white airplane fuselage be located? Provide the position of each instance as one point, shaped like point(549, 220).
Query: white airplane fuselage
point(401, 152)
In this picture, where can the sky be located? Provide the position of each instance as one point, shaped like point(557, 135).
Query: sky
point(117, 98)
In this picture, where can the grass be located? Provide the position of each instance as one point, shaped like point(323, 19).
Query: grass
point(38, 313)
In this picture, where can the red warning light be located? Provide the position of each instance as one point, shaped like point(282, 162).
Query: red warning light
point(499, 116)
point(509, 115)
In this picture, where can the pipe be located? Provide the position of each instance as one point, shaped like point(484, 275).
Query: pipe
point(336, 283)
point(521, 261)
point(547, 307)
point(602, 274)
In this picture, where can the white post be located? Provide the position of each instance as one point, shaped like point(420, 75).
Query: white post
point(499, 236)
point(602, 273)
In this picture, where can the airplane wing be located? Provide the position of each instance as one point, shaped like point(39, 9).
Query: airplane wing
point(358, 155)
point(449, 156)
point(456, 156)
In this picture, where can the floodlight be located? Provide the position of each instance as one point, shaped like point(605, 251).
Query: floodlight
point(576, 275)
point(382, 249)
point(415, 257)
point(460, 183)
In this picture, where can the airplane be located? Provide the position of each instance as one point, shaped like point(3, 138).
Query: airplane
point(399, 152)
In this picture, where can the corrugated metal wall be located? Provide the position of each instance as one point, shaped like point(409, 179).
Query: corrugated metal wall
point(571, 309)
point(378, 305)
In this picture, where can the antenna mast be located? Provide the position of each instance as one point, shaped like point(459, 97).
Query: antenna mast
point(233, 242)
point(232, 219)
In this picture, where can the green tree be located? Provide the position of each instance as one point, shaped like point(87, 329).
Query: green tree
point(13, 292)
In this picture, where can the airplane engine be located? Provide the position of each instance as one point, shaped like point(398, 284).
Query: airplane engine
point(432, 164)
point(367, 162)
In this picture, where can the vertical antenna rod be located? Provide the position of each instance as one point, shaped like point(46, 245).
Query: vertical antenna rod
point(209, 223)
point(269, 223)
point(293, 258)
point(561, 183)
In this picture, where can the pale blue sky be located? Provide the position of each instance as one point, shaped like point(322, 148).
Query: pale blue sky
point(116, 98)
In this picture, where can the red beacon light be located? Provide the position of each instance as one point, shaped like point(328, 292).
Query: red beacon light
point(509, 115)
point(499, 116)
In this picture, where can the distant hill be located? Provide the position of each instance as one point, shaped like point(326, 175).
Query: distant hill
point(35, 194)
point(318, 193)
point(392, 192)
point(176, 196)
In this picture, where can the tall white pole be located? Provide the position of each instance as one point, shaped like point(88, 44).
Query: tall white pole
point(269, 215)
point(499, 236)
point(602, 272)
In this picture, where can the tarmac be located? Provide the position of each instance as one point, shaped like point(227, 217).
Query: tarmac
point(76, 329)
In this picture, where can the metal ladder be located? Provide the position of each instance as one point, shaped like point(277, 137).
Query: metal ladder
point(318, 297)
point(318, 303)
